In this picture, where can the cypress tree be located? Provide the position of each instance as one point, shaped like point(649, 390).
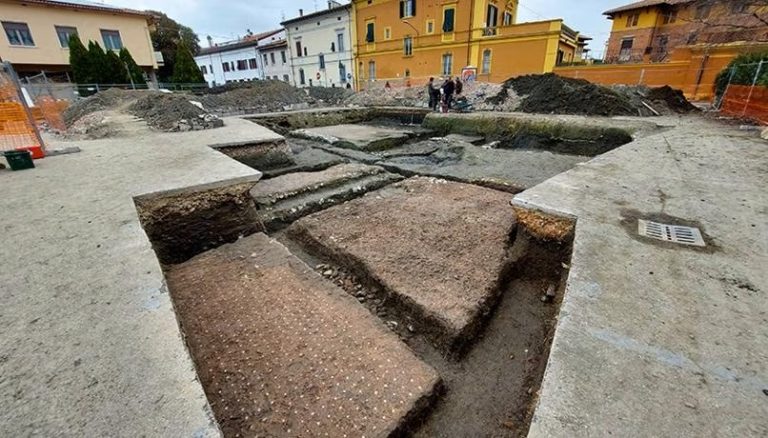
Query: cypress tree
point(116, 70)
point(136, 74)
point(98, 63)
point(79, 61)
point(185, 71)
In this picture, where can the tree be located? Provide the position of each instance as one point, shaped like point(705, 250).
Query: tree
point(134, 71)
point(98, 63)
point(79, 61)
point(742, 71)
point(116, 73)
point(185, 70)
point(166, 36)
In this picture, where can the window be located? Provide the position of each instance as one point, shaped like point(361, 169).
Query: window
point(372, 70)
point(340, 41)
point(210, 68)
point(204, 70)
point(448, 17)
point(633, 19)
point(18, 34)
point(302, 78)
point(486, 61)
point(322, 61)
point(305, 51)
point(430, 26)
point(447, 64)
point(507, 19)
point(298, 48)
point(252, 64)
point(225, 66)
point(670, 17)
point(560, 56)
point(369, 32)
point(111, 39)
point(272, 58)
point(264, 57)
point(64, 33)
point(407, 8)
point(282, 56)
point(387, 33)
point(702, 11)
point(407, 73)
point(626, 49)
point(333, 47)
point(285, 78)
point(242, 64)
point(491, 20)
point(275, 77)
point(408, 46)
point(232, 66)
point(342, 72)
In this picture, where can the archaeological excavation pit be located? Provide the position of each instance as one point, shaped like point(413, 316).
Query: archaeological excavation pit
point(373, 296)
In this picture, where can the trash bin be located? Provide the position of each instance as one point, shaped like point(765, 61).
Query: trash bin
point(19, 160)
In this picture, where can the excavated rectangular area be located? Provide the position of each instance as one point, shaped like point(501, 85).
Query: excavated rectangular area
point(362, 137)
point(438, 249)
point(282, 352)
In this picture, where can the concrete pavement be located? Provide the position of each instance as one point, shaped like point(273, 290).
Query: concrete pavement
point(657, 339)
point(89, 342)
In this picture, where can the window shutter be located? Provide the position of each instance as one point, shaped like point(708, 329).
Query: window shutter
point(369, 35)
point(413, 7)
point(402, 8)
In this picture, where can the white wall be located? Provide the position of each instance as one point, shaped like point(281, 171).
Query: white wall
point(278, 69)
point(316, 33)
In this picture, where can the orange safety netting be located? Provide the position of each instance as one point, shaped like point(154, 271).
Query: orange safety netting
point(17, 131)
point(744, 101)
point(51, 111)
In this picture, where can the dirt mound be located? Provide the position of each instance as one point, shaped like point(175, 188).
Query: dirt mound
point(104, 100)
point(330, 96)
point(253, 97)
point(674, 99)
point(550, 94)
point(476, 93)
point(172, 112)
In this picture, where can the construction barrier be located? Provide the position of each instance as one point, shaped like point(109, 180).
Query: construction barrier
point(17, 126)
point(746, 101)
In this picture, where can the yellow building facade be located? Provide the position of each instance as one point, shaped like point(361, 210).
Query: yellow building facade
point(403, 41)
point(35, 33)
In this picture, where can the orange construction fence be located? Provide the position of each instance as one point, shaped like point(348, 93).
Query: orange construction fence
point(17, 128)
point(746, 101)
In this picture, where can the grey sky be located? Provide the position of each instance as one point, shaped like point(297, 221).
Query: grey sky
point(229, 19)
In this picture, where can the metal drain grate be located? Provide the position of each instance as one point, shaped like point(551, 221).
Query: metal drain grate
point(670, 233)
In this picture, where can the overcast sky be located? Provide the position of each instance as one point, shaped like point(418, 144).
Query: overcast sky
point(228, 19)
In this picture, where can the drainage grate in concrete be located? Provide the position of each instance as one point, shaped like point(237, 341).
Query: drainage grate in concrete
point(670, 233)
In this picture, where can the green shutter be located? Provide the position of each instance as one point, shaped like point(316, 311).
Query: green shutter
point(369, 35)
point(448, 16)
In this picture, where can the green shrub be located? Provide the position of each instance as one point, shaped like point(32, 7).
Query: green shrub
point(741, 71)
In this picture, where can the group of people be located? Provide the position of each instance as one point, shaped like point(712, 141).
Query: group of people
point(441, 97)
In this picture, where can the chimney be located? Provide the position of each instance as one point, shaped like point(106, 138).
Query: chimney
point(210, 41)
point(301, 12)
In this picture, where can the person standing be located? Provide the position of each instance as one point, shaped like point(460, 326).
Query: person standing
point(433, 94)
point(459, 86)
point(449, 87)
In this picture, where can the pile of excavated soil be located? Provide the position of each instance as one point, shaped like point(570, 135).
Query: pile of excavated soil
point(98, 116)
point(330, 95)
point(253, 97)
point(552, 94)
point(476, 93)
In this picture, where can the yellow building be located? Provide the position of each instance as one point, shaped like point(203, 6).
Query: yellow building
point(651, 30)
point(36, 32)
point(400, 41)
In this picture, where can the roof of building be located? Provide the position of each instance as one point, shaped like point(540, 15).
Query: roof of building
point(316, 14)
point(644, 4)
point(249, 41)
point(275, 45)
point(86, 5)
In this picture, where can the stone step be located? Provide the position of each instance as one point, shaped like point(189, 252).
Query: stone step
point(436, 250)
point(281, 351)
point(286, 198)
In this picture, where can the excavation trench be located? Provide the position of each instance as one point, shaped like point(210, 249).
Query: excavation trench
point(368, 257)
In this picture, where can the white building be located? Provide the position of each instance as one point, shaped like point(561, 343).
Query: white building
point(237, 61)
point(320, 47)
point(276, 61)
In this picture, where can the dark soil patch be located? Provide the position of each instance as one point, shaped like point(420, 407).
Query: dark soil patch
point(553, 94)
point(255, 96)
point(672, 98)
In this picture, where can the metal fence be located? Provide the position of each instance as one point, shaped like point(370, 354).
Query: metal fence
point(18, 130)
point(747, 100)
